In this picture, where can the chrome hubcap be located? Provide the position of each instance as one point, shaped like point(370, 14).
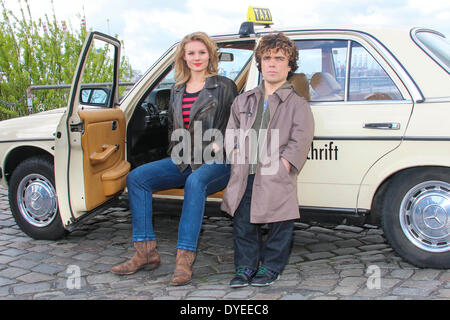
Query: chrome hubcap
point(425, 216)
point(37, 200)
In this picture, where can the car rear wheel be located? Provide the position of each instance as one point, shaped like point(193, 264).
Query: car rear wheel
point(33, 199)
point(416, 216)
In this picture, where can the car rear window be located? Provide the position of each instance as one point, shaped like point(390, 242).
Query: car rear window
point(436, 46)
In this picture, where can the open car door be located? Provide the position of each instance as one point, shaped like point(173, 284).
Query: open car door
point(90, 165)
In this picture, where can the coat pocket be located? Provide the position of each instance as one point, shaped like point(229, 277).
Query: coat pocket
point(284, 174)
point(283, 178)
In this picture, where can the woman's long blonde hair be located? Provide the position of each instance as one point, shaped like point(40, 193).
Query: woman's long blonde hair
point(182, 72)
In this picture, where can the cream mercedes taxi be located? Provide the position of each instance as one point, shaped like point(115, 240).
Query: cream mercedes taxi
point(380, 155)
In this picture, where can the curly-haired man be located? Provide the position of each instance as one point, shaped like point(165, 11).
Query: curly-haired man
point(263, 190)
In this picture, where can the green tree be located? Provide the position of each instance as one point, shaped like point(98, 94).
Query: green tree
point(43, 53)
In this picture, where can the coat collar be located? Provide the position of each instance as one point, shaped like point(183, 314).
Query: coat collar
point(210, 83)
point(282, 92)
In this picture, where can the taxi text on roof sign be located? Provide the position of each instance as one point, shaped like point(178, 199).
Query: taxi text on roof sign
point(259, 15)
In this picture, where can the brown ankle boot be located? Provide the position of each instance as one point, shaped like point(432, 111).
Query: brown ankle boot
point(183, 269)
point(146, 254)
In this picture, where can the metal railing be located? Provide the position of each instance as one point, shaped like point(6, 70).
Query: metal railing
point(29, 90)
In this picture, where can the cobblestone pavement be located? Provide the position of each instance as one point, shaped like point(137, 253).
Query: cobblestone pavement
point(339, 262)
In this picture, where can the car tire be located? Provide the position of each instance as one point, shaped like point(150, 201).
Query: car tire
point(415, 216)
point(33, 199)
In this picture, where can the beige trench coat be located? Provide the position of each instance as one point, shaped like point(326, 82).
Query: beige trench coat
point(274, 196)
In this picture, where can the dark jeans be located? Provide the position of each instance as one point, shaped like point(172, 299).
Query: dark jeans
point(164, 174)
point(249, 247)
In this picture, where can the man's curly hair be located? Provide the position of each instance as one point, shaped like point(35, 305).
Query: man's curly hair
point(277, 41)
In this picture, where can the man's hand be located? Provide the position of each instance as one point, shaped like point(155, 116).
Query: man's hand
point(286, 164)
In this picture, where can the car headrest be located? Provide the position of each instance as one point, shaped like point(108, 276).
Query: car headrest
point(324, 84)
point(301, 85)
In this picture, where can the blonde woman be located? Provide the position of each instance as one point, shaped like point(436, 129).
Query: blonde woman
point(200, 96)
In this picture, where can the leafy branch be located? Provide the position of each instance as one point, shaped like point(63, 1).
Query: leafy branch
point(43, 52)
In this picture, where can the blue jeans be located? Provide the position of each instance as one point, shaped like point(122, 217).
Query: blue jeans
point(249, 248)
point(164, 174)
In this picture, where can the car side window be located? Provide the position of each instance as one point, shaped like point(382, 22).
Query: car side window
point(368, 80)
point(98, 76)
point(325, 65)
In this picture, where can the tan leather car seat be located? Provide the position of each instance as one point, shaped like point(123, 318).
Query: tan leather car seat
point(378, 96)
point(326, 88)
point(301, 84)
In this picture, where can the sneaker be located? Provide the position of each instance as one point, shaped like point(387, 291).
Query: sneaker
point(242, 278)
point(264, 277)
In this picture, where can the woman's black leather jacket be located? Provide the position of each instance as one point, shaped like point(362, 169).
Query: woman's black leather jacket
point(211, 109)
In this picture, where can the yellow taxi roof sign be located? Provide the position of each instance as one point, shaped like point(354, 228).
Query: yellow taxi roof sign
point(259, 15)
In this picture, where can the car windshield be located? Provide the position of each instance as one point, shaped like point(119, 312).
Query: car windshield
point(437, 46)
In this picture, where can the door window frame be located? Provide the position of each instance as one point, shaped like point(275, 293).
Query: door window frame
point(386, 68)
point(390, 64)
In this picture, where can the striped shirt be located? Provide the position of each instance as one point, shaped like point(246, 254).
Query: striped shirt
point(186, 104)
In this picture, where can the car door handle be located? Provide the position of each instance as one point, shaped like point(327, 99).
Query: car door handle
point(108, 151)
point(382, 126)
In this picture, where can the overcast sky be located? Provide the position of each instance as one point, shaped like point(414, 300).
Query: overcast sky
point(149, 27)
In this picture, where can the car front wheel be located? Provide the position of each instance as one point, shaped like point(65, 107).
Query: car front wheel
point(33, 199)
point(416, 216)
